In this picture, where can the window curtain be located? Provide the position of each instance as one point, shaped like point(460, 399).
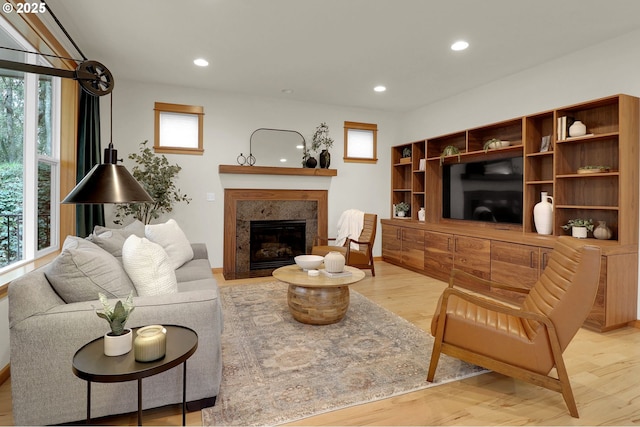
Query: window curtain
point(88, 216)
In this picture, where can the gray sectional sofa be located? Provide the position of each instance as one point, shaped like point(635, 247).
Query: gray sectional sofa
point(46, 331)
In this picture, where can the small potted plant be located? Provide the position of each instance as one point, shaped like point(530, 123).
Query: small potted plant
point(406, 155)
point(402, 208)
point(118, 341)
point(321, 139)
point(579, 227)
point(492, 144)
point(449, 150)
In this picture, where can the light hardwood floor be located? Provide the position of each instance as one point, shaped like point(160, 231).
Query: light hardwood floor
point(604, 371)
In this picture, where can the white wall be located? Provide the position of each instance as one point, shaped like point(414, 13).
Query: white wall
point(606, 69)
point(228, 123)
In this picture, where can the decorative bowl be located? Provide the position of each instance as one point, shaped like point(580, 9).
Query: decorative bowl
point(308, 262)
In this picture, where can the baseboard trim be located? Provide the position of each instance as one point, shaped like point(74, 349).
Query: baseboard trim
point(5, 374)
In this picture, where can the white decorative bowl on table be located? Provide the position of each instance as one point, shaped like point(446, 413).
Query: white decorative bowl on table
point(308, 262)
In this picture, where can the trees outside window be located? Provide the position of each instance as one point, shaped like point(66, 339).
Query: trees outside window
point(29, 164)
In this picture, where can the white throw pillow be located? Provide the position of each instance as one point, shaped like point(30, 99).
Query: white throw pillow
point(172, 239)
point(148, 266)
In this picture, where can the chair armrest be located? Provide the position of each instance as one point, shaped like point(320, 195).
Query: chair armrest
point(496, 285)
point(493, 306)
point(323, 241)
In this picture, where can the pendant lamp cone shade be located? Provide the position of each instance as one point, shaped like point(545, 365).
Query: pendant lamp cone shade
point(108, 182)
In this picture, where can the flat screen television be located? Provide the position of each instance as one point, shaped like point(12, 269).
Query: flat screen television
point(489, 190)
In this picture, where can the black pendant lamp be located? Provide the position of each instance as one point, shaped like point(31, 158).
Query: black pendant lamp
point(108, 182)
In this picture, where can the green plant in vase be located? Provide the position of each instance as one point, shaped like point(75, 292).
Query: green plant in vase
point(402, 208)
point(449, 150)
point(579, 227)
point(157, 177)
point(321, 139)
point(117, 315)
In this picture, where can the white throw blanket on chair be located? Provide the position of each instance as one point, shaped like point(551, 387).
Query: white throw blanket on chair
point(350, 226)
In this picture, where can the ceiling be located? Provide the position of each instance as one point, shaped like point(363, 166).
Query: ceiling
point(335, 51)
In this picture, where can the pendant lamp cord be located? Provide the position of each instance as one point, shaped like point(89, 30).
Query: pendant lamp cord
point(55, 18)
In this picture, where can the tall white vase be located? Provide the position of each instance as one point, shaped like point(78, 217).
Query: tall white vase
point(543, 214)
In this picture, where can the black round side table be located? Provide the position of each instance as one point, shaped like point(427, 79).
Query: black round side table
point(91, 365)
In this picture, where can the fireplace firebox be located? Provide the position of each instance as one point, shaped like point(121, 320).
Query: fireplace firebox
point(275, 243)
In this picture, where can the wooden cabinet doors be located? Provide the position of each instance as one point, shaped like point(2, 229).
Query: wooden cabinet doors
point(472, 255)
point(413, 248)
point(392, 243)
point(514, 264)
point(438, 254)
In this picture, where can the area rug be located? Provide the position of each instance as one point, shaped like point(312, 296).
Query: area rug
point(277, 370)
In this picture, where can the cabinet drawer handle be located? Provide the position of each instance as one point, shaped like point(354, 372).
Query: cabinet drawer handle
point(449, 244)
point(531, 259)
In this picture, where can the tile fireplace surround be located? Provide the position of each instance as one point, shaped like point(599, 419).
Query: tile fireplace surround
point(241, 206)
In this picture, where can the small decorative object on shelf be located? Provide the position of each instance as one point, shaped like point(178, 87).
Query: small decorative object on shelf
point(543, 214)
point(421, 214)
point(545, 143)
point(118, 341)
point(494, 143)
point(334, 262)
point(325, 159)
point(311, 162)
point(593, 169)
point(242, 160)
point(402, 209)
point(150, 343)
point(602, 231)
point(406, 155)
point(577, 129)
point(321, 139)
point(449, 150)
point(579, 227)
point(251, 160)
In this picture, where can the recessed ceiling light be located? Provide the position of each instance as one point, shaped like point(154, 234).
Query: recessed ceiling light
point(201, 62)
point(460, 45)
point(379, 88)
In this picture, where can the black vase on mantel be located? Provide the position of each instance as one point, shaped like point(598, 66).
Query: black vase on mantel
point(311, 162)
point(325, 159)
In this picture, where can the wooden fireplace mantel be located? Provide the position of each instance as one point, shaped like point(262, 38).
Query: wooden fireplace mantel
point(274, 170)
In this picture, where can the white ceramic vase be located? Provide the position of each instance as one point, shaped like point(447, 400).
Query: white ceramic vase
point(602, 231)
point(543, 214)
point(579, 232)
point(334, 262)
point(117, 345)
point(577, 129)
point(421, 214)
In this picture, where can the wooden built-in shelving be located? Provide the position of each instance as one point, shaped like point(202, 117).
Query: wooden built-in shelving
point(612, 139)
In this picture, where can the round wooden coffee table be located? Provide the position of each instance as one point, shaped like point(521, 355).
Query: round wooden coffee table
point(317, 300)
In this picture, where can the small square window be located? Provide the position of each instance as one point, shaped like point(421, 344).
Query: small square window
point(360, 142)
point(178, 129)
